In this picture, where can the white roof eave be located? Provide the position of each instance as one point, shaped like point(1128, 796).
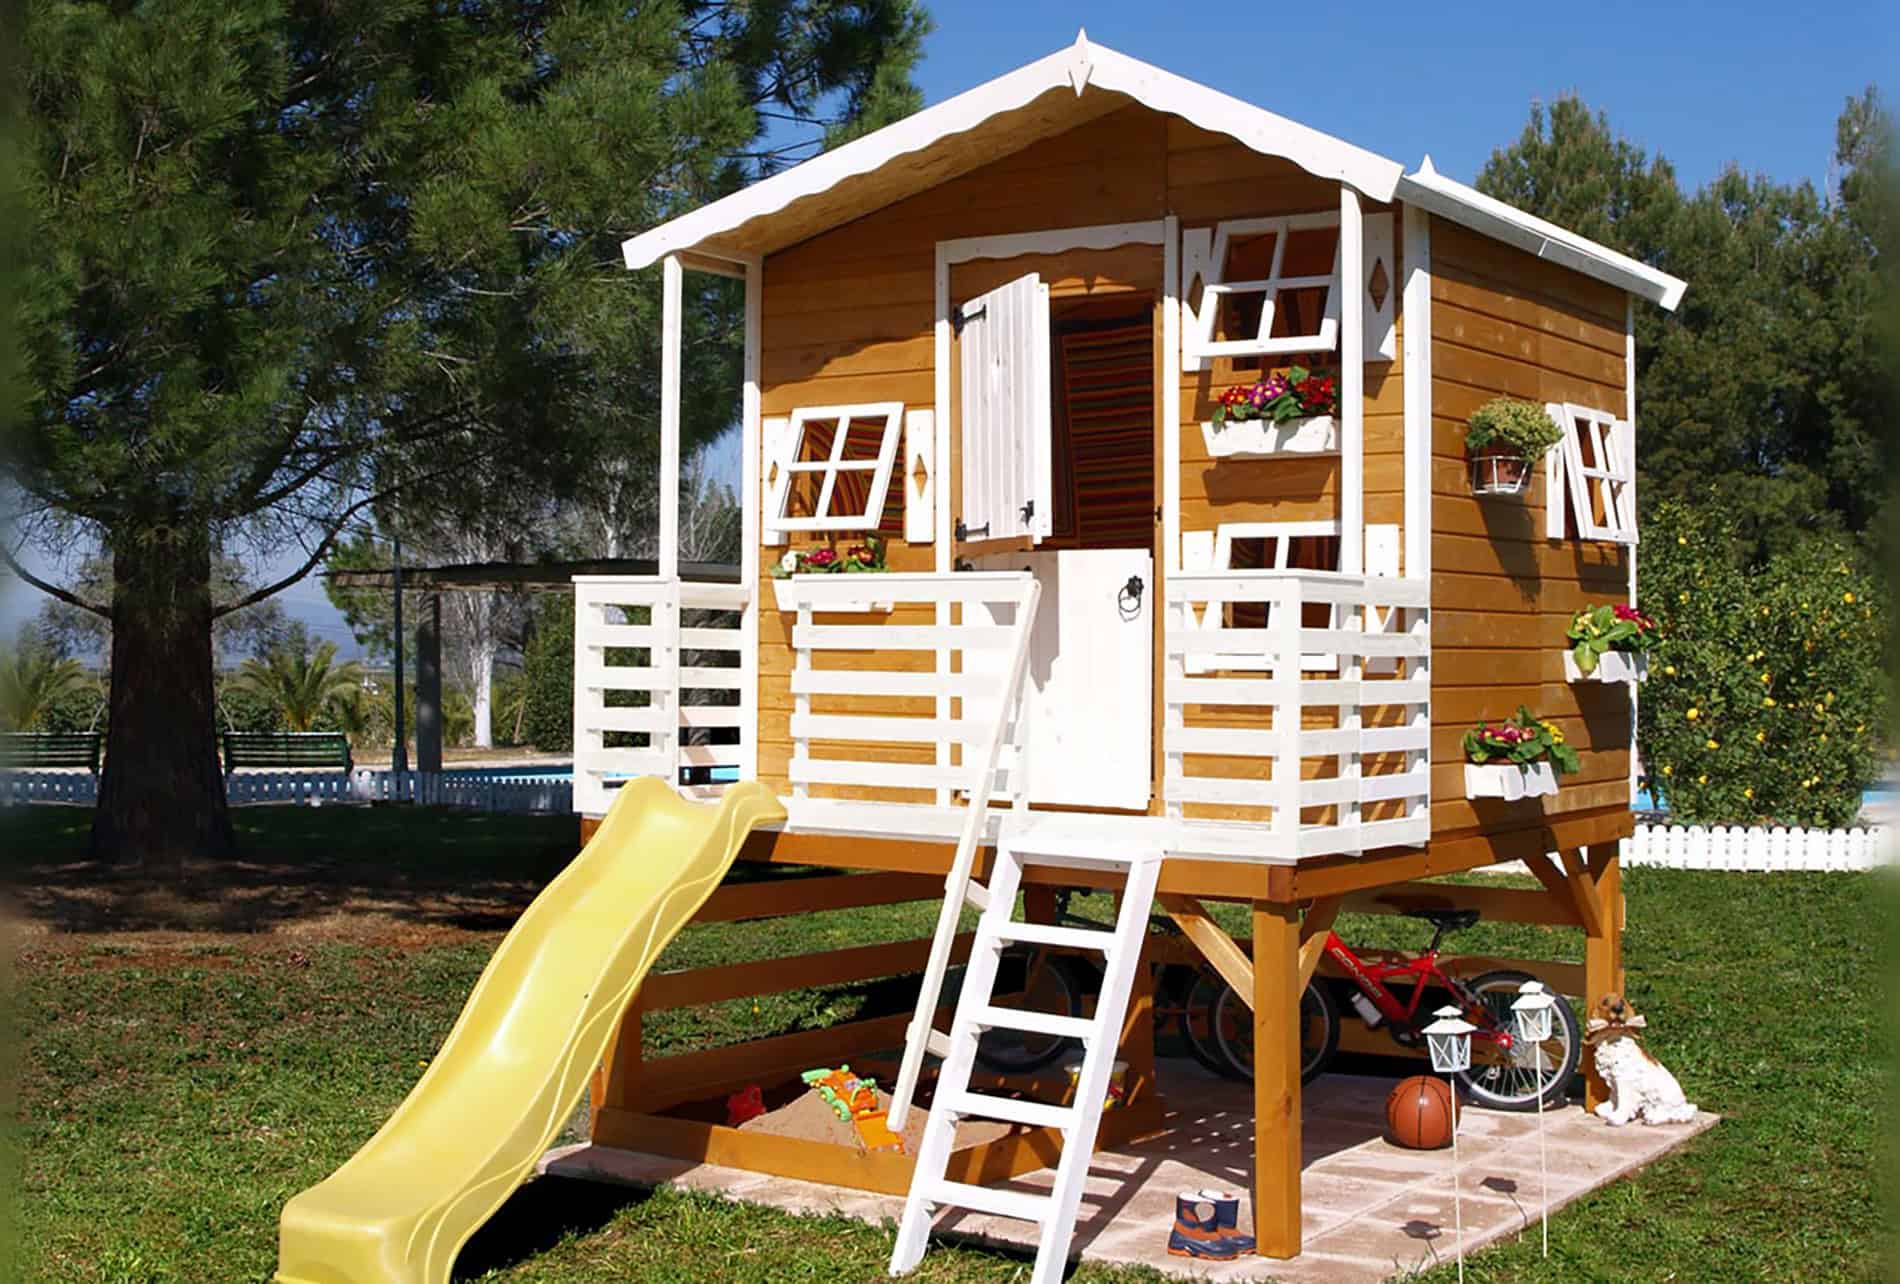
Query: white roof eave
point(1430, 190)
point(1078, 67)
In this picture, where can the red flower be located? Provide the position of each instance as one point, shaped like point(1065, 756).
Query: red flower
point(861, 555)
point(823, 556)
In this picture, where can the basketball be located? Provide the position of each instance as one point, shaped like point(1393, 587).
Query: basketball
point(1418, 1114)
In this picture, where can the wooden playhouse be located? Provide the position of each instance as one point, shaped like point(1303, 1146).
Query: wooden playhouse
point(994, 336)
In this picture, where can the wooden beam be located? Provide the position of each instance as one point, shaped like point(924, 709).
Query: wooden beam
point(780, 897)
point(1276, 1079)
point(695, 986)
point(1214, 944)
point(1314, 929)
point(1500, 904)
point(1583, 893)
point(1552, 878)
point(1451, 854)
point(712, 1071)
point(1602, 949)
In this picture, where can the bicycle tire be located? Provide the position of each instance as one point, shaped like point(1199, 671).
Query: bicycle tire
point(1486, 1085)
point(1319, 1032)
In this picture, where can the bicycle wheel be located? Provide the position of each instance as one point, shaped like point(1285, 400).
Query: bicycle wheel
point(1197, 1019)
point(1515, 1080)
point(1035, 981)
point(1319, 1032)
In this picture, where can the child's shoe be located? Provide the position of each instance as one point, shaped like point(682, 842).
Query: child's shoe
point(1204, 1223)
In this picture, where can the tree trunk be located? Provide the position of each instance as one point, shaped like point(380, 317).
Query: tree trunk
point(161, 800)
point(484, 701)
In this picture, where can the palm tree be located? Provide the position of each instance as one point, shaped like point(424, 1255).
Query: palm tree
point(302, 684)
point(32, 680)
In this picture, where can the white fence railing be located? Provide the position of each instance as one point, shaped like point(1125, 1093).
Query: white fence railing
point(1762, 850)
point(441, 789)
point(664, 682)
point(1300, 701)
point(906, 706)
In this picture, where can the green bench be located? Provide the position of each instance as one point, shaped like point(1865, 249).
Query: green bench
point(286, 749)
point(32, 750)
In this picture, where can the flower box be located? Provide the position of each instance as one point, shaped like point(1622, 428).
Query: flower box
point(1499, 472)
point(1509, 781)
point(1612, 666)
point(782, 596)
point(1262, 438)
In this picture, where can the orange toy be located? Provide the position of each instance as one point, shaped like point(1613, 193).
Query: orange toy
point(855, 1100)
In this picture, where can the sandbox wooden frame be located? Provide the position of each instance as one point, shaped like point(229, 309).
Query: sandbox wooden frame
point(1291, 909)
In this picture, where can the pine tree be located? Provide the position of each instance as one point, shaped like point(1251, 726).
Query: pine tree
point(287, 258)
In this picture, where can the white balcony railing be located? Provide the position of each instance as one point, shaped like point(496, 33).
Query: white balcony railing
point(664, 683)
point(1299, 700)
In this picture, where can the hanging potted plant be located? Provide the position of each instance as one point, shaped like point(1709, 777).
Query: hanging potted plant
point(1503, 438)
point(1610, 643)
point(859, 559)
point(1520, 757)
point(1285, 413)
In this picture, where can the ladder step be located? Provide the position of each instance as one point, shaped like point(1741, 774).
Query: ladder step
point(1077, 938)
point(994, 1018)
point(937, 1043)
point(1036, 1114)
point(976, 895)
point(987, 1199)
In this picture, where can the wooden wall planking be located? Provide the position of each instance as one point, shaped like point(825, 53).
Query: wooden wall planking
point(1507, 324)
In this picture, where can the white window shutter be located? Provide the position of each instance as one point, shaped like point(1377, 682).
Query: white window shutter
point(776, 444)
point(1379, 263)
point(920, 478)
point(1007, 443)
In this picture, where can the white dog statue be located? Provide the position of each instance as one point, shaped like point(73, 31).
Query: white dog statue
point(1640, 1086)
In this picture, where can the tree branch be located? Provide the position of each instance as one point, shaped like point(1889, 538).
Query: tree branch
point(53, 590)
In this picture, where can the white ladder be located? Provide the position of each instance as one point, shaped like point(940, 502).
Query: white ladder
point(1121, 950)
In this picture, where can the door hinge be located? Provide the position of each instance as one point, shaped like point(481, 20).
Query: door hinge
point(963, 316)
point(964, 532)
point(1029, 512)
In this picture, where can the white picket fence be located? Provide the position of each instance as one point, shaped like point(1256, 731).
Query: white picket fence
point(314, 788)
point(1758, 849)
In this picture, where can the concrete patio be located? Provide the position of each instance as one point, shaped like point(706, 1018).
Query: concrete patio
point(1371, 1209)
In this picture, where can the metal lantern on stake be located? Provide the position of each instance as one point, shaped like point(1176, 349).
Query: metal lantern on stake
point(1531, 1018)
point(1448, 1040)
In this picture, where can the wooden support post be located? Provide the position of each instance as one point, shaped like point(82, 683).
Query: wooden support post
point(1276, 1078)
point(1602, 947)
point(1138, 1037)
point(616, 1082)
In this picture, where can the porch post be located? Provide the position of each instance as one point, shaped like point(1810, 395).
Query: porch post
point(1352, 384)
point(671, 277)
point(1276, 1078)
point(1602, 951)
point(751, 516)
point(1415, 318)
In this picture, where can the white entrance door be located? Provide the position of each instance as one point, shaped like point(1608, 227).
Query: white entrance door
point(1090, 693)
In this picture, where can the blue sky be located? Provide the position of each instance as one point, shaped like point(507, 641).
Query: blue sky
point(1708, 83)
point(1705, 84)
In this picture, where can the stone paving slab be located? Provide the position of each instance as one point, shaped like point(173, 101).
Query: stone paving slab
point(1371, 1210)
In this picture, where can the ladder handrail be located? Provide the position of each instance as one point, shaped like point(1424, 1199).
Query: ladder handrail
point(956, 884)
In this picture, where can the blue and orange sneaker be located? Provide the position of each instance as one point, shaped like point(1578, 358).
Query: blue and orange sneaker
point(1205, 1226)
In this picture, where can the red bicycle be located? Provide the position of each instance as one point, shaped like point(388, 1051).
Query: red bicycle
point(1506, 1073)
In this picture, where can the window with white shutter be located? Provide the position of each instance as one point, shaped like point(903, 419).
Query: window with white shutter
point(1005, 413)
point(829, 467)
point(1595, 466)
point(1268, 287)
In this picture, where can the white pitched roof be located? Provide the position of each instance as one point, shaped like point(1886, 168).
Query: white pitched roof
point(1447, 197)
point(990, 120)
point(1057, 93)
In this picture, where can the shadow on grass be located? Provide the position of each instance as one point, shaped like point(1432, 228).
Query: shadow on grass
point(537, 1217)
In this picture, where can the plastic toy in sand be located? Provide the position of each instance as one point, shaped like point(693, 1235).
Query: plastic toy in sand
point(744, 1105)
point(855, 1100)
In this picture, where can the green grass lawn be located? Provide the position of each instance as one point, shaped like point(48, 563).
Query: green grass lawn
point(177, 1086)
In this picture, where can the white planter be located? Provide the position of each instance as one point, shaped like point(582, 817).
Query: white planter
point(782, 596)
point(1509, 781)
point(1614, 666)
point(1260, 438)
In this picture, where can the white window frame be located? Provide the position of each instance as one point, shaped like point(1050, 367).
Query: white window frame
point(1613, 475)
point(881, 468)
point(1199, 343)
point(1282, 534)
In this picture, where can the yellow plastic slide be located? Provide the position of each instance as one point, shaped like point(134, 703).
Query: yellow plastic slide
point(514, 1066)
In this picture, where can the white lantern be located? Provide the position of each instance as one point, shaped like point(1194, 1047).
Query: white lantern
point(1532, 1011)
point(1448, 1039)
